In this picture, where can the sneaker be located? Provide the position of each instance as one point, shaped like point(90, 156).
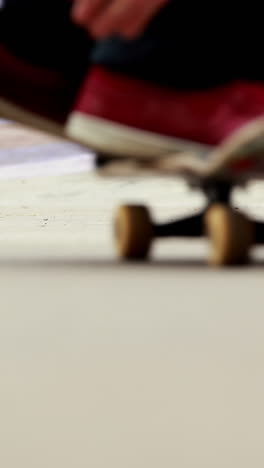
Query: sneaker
point(117, 115)
point(122, 116)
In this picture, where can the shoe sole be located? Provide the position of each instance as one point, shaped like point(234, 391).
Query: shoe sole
point(118, 140)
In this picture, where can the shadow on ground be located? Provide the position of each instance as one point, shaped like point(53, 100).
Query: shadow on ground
point(115, 265)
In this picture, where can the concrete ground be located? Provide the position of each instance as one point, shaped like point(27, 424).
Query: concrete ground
point(104, 364)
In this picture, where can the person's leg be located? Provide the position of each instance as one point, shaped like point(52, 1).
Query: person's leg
point(181, 48)
point(190, 46)
point(43, 58)
point(184, 46)
point(42, 33)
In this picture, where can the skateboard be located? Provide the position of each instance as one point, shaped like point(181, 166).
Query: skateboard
point(214, 170)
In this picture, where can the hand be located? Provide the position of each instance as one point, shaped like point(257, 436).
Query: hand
point(104, 18)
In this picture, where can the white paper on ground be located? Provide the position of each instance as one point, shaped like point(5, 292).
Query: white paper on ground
point(42, 160)
point(55, 158)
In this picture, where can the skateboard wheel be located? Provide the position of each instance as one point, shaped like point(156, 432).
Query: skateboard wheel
point(133, 232)
point(231, 235)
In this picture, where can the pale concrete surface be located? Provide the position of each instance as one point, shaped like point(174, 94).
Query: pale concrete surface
point(110, 365)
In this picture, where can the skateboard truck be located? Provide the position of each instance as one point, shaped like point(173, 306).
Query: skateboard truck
point(216, 192)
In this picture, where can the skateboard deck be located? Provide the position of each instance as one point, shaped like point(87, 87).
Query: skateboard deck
point(238, 158)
